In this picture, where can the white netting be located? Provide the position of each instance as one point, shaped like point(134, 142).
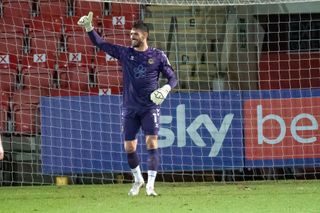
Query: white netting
point(246, 104)
point(207, 2)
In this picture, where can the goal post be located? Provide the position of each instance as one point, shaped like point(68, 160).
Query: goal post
point(245, 107)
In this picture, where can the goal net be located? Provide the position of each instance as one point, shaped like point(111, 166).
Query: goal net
point(246, 106)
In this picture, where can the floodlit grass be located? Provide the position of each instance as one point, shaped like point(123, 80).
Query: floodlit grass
point(281, 196)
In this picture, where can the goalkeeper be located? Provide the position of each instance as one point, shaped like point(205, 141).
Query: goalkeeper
point(141, 67)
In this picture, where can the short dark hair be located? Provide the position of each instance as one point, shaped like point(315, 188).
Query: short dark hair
point(140, 25)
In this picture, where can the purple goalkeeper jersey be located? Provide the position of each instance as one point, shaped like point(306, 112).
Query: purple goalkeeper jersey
point(141, 71)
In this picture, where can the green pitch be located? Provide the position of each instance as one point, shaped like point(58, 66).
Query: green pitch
point(282, 197)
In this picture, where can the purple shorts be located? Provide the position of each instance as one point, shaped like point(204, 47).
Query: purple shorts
point(133, 119)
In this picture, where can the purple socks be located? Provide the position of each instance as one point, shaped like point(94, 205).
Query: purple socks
point(153, 159)
point(133, 159)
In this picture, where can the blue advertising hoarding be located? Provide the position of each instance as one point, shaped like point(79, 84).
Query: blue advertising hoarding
point(199, 131)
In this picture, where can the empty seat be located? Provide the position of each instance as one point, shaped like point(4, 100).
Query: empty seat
point(17, 8)
point(49, 26)
point(37, 77)
point(4, 108)
point(12, 25)
point(25, 108)
point(11, 44)
point(109, 78)
point(26, 119)
point(125, 9)
point(80, 43)
point(80, 51)
point(76, 64)
point(44, 44)
point(53, 8)
point(74, 78)
point(47, 44)
point(8, 72)
point(28, 96)
point(38, 66)
point(84, 7)
point(124, 15)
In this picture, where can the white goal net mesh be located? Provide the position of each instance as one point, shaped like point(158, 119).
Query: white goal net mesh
point(246, 106)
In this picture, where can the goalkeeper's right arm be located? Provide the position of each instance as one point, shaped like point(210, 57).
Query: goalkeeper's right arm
point(111, 49)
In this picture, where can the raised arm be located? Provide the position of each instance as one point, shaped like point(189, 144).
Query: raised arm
point(112, 49)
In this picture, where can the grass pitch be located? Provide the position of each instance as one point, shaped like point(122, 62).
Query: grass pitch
point(280, 196)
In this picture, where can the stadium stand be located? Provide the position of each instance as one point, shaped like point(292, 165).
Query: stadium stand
point(75, 65)
point(52, 8)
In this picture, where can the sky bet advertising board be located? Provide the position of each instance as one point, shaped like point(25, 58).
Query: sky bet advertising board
point(199, 131)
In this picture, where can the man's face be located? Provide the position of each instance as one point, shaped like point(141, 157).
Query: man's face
point(137, 37)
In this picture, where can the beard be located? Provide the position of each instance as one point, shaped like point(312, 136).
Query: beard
point(136, 43)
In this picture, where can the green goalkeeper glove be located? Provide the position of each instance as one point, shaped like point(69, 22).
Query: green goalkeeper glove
point(86, 22)
point(160, 94)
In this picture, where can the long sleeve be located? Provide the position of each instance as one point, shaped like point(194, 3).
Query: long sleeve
point(112, 49)
point(168, 71)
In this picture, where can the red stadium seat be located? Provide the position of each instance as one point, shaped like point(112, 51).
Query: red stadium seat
point(25, 108)
point(84, 7)
point(28, 96)
point(9, 56)
point(4, 108)
point(12, 25)
point(37, 77)
point(80, 52)
point(125, 9)
point(130, 12)
point(80, 44)
point(53, 8)
point(74, 78)
point(70, 25)
point(109, 78)
point(49, 26)
point(10, 52)
point(11, 44)
point(26, 119)
point(8, 72)
point(38, 66)
point(17, 8)
point(48, 45)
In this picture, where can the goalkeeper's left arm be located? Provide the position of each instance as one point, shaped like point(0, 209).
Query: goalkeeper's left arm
point(160, 94)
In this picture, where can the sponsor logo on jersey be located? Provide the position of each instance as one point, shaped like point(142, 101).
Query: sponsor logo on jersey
point(150, 61)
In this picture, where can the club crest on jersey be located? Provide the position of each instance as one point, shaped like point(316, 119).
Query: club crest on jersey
point(150, 61)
